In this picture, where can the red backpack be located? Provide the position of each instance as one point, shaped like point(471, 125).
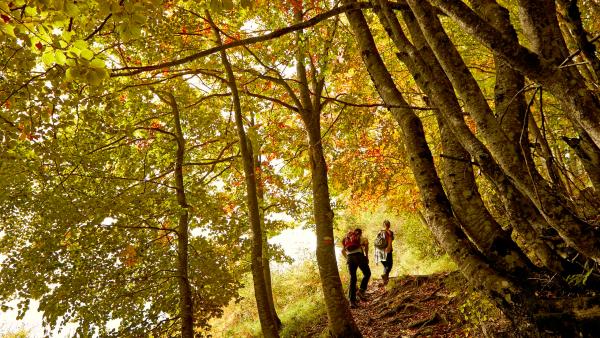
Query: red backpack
point(351, 241)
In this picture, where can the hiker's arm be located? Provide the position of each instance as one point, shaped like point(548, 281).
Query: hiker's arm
point(366, 248)
point(389, 243)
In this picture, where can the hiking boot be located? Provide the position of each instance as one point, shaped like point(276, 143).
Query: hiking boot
point(362, 295)
point(385, 278)
point(353, 305)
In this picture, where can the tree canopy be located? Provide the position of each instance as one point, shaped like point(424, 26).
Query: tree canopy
point(148, 146)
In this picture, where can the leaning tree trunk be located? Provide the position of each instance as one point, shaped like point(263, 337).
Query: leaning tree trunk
point(430, 77)
point(583, 105)
point(478, 223)
point(438, 212)
point(572, 18)
point(589, 158)
point(572, 229)
point(341, 322)
point(486, 233)
point(267, 322)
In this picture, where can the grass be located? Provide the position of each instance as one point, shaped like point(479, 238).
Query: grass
point(298, 301)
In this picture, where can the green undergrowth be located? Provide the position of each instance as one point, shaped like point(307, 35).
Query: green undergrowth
point(298, 301)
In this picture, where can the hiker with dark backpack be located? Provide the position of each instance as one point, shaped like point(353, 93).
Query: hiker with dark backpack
point(383, 250)
point(356, 251)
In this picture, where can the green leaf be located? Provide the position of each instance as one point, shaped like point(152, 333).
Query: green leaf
point(68, 35)
point(87, 54)
point(48, 58)
point(30, 11)
point(60, 57)
point(97, 63)
point(80, 44)
point(9, 29)
point(72, 9)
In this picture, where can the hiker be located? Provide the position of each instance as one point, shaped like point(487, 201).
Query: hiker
point(383, 250)
point(356, 251)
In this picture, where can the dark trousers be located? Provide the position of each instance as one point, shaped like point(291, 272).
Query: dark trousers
point(358, 261)
point(387, 264)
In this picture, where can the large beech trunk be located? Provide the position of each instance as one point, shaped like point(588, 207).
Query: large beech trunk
point(430, 77)
point(573, 230)
point(437, 208)
point(478, 223)
point(583, 105)
point(486, 233)
point(265, 315)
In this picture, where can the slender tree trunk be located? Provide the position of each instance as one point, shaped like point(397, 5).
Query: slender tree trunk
point(186, 305)
point(437, 208)
point(266, 256)
point(267, 322)
point(341, 322)
point(546, 153)
point(573, 230)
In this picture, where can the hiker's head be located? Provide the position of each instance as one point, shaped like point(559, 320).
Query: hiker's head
point(358, 231)
point(386, 224)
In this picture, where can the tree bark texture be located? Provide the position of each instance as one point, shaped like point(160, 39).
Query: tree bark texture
point(436, 205)
point(582, 104)
point(573, 230)
point(486, 233)
point(572, 17)
point(267, 322)
point(431, 78)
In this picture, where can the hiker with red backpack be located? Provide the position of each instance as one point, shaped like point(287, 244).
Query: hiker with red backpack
point(356, 251)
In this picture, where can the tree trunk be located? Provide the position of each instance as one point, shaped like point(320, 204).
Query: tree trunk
point(486, 233)
point(478, 223)
point(589, 158)
point(573, 230)
point(437, 208)
point(267, 322)
point(572, 18)
point(266, 256)
point(582, 105)
point(186, 307)
point(430, 77)
point(341, 322)
point(549, 161)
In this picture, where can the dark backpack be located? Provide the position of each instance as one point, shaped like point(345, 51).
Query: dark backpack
point(381, 241)
point(351, 241)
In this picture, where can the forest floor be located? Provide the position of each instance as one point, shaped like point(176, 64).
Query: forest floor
point(424, 306)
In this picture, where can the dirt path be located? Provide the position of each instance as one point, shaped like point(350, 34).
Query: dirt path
point(420, 306)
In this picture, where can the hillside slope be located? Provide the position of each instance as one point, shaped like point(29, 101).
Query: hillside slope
point(437, 305)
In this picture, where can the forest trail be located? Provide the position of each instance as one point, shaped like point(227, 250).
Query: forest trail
point(421, 306)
